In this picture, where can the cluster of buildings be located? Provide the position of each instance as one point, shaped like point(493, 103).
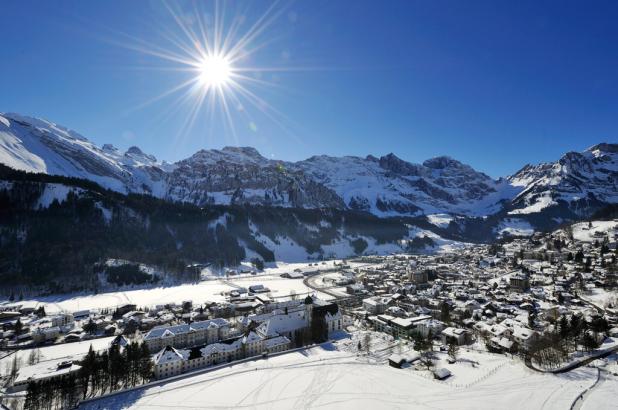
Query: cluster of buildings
point(282, 326)
point(505, 295)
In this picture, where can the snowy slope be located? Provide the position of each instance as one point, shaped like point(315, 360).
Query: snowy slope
point(577, 184)
point(390, 186)
point(36, 145)
point(581, 180)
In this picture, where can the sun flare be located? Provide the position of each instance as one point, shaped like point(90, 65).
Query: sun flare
point(218, 52)
point(215, 71)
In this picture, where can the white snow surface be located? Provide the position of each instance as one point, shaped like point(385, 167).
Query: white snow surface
point(325, 377)
point(514, 227)
point(582, 232)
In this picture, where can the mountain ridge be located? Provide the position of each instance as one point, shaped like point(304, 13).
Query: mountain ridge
point(580, 182)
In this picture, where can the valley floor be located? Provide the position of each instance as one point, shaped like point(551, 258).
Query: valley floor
point(334, 376)
point(212, 289)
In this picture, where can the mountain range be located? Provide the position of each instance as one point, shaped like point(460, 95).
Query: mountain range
point(577, 184)
point(67, 205)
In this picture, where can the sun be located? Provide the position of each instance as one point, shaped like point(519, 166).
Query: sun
point(216, 56)
point(214, 71)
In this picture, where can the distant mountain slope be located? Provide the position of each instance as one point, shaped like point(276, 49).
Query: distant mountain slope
point(583, 182)
point(54, 230)
point(37, 145)
point(571, 188)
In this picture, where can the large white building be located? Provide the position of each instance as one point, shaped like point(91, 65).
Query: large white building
point(171, 361)
point(193, 334)
point(271, 332)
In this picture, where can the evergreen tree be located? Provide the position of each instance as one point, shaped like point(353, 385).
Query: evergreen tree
point(18, 327)
point(33, 398)
point(445, 312)
point(145, 369)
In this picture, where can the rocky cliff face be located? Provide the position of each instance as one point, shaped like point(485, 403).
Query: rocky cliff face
point(577, 184)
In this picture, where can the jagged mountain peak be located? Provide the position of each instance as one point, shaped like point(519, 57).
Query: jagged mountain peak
point(137, 153)
point(250, 151)
point(385, 186)
point(603, 148)
point(393, 163)
point(442, 162)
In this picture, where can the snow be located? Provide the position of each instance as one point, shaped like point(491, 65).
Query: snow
point(107, 213)
point(55, 192)
point(441, 245)
point(514, 227)
point(602, 396)
point(324, 377)
point(207, 290)
point(440, 220)
point(36, 145)
point(438, 186)
point(4, 121)
point(582, 232)
point(58, 353)
point(600, 297)
point(541, 203)
point(200, 292)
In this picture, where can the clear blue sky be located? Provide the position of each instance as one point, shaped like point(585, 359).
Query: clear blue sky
point(495, 84)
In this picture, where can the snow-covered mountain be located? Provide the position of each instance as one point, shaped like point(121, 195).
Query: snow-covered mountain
point(389, 186)
point(241, 175)
point(581, 182)
point(578, 184)
point(36, 145)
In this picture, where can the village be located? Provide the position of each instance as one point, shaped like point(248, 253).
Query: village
point(547, 301)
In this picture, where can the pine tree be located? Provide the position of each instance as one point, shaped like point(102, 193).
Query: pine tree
point(563, 327)
point(18, 327)
point(145, 370)
point(32, 396)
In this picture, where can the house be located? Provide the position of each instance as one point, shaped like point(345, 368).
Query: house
point(396, 361)
point(45, 370)
point(292, 275)
point(519, 282)
point(168, 362)
point(355, 289)
point(62, 319)
point(441, 373)
point(456, 336)
point(41, 335)
point(375, 305)
point(258, 289)
point(430, 326)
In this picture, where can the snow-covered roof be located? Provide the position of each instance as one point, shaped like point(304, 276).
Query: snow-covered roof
point(169, 355)
point(166, 331)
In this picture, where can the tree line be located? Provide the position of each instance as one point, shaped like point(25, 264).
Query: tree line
point(99, 373)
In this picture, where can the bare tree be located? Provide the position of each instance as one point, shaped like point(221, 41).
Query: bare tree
point(453, 350)
point(367, 342)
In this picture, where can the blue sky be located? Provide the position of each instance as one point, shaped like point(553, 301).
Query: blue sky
point(495, 84)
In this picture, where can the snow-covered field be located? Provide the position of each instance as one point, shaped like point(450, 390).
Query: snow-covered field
point(514, 227)
point(55, 353)
point(209, 290)
point(582, 231)
point(324, 377)
point(603, 396)
point(600, 297)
